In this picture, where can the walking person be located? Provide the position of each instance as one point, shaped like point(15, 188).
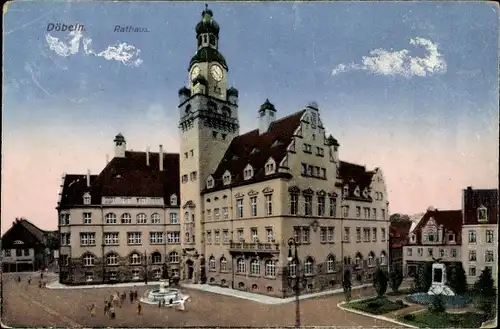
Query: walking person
point(18, 279)
point(106, 307)
point(92, 310)
point(112, 312)
point(131, 296)
point(139, 308)
point(29, 280)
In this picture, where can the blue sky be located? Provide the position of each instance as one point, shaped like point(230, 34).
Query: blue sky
point(424, 107)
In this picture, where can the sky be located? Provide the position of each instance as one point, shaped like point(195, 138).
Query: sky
point(410, 87)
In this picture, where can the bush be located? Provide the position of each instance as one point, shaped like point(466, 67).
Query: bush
point(456, 278)
point(423, 279)
point(485, 294)
point(396, 279)
point(409, 317)
point(380, 282)
point(399, 302)
point(437, 305)
point(456, 301)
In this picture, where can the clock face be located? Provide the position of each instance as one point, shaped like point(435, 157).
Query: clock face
point(216, 72)
point(194, 72)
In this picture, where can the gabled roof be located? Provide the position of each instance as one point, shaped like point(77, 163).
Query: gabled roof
point(239, 153)
point(34, 230)
point(450, 219)
point(128, 176)
point(355, 175)
point(475, 198)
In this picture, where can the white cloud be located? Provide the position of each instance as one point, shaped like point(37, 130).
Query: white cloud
point(400, 62)
point(122, 52)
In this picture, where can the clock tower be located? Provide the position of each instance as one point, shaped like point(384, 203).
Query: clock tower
point(208, 122)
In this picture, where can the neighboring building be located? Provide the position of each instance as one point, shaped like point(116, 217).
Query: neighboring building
point(25, 247)
point(123, 224)
point(238, 199)
point(480, 232)
point(398, 238)
point(438, 235)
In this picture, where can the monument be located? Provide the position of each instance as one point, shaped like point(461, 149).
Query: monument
point(438, 286)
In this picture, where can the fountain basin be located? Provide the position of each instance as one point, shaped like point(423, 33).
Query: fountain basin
point(457, 301)
point(154, 296)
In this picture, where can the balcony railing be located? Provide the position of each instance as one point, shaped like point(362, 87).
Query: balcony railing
point(254, 247)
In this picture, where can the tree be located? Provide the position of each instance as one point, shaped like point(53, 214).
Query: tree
point(485, 294)
point(437, 305)
point(396, 279)
point(399, 218)
point(347, 285)
point(380, 282)
point(423, 279)
point(456, 278)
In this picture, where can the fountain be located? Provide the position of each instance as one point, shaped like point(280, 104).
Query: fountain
point(439, 287)
point(171, 296)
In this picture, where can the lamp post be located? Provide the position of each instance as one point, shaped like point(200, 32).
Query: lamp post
point(295, 281)
point(145, 267)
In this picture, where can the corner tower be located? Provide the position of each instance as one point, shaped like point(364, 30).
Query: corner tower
point(208, 122)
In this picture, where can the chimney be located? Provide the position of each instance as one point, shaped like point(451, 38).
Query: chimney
point(107, 159)
point(147, 156)
point(88, 178)
point(161, 157)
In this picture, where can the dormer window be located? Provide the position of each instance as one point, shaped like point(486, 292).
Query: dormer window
point(365, 193)
point(226, 178)
point(413, 238)
point(482, 214)
point(86, 198)
point(346, 190)
point(451, 237)
point(210, 182)
point(270, 166)
point(248, 172)
point(356, 191)
point(173, 200)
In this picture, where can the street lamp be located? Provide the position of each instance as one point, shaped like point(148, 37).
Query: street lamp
point(295, 281)
point(145, 267)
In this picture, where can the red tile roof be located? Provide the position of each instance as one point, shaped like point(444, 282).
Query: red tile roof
point(272, 143)
point(450, 219)
point(475, 198)
point(128, 176)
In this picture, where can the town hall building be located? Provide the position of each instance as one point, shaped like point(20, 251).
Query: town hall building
point(223, 210)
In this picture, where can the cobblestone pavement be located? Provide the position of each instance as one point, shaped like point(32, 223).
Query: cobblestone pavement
point(28, 305)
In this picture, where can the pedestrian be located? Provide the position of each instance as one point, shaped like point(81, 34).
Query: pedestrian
point(182, 308)
point(18, 279)
point(135, 295)
point(131, 296)
point(39, 284)
point(112, 312)
point(29, 280)
point(139, 308)
point(92, 310)
point(41, 275)
point(106, 307)
point(159, 303)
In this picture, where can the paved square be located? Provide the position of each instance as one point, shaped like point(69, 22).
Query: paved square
point(28, 305)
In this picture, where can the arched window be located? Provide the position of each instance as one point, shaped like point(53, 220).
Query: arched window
point(226, 111)
point(308, 266)
point(292, 269)
point(211, 38)
point(156, 258)
point(186, 237)
point(173, 200)
point(241, 268)
point(186, 217)
point(86, 198)
point(155, 218)
point(212, 107)
point(88, 260)
point(188, 108)
point(223, 264)
point(270, 268)
point(371, 259)
point(135, 259)
point(358, 260)
point(126, 218)
point(173, 257)
point(383, 259)
point(110, 218)
point(112, 259)
point(142, 218)
point(330, 264)
point(211, 263)
point(255, 267)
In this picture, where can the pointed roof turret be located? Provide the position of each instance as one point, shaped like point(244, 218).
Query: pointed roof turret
point(267, 106)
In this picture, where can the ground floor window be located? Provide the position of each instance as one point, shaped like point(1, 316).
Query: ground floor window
point(241, 285)
point(135, 274)
point(472, 271)
point(157, 273)
point(175, 272)
point(89, 276)
point(270, 289)
point(112, 275)
point(223, 282)
point(254, 287)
